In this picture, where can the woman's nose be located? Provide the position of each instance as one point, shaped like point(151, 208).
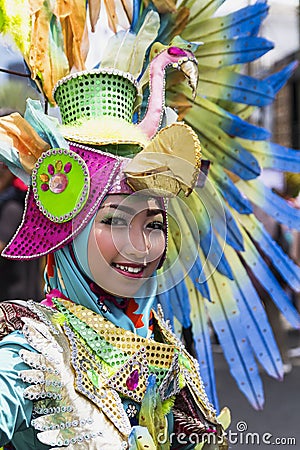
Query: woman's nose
point(138, 243)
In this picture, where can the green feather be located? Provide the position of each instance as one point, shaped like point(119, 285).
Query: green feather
point(167, 405)
point(152, 415)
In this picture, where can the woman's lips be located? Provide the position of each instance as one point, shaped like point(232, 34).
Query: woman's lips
point(130, 270)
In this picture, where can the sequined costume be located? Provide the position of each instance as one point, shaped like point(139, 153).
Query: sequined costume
point(93, 370)
point(103, 371)
point(104, 364)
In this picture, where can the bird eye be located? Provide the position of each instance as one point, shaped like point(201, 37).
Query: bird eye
point(176, 51)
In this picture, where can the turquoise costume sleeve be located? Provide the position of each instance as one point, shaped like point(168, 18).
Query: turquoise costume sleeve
point(15, 411)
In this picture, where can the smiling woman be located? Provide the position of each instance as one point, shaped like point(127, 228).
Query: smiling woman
point(95, 365)
point(97, 349)
point(96, 334)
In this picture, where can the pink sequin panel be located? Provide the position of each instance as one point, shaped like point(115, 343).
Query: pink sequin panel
point(38, 236)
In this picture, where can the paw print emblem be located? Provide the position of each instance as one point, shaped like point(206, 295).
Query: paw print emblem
point(56, 178)
point(60, 184)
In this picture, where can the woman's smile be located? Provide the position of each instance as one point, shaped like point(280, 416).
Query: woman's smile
point(130, 270)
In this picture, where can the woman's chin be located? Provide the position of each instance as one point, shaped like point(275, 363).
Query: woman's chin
point(123, 290)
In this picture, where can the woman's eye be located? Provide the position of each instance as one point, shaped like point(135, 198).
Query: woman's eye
point(114, 221)
point(156, 225)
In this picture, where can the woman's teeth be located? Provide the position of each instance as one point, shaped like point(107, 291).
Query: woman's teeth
point(129, 268)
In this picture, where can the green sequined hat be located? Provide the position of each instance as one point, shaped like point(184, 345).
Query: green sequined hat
point(97, 107)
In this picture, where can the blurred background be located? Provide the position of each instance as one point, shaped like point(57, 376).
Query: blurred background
point(278, 423)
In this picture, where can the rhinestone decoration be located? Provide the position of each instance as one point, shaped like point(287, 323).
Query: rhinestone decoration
point(61, 184)
point(133, 380)
point(131, 410)
point(58, 183)
point(170, 385)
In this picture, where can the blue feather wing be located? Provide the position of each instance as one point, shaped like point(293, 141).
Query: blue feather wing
point(262, 273)
point(271, 203)
point(213, 114)
point(274, 156)
point(254, 319)
point(202, 342)
point(175, 303)
point(232, 242)
point(224, 84)
point(242, 23)
point(183, 256)
point(210, 209)
point(279, 79)
point(285, 266)
point(218, 146)
point(229, 191)
point(226, 320)
point(232, 51)
point(214, 252)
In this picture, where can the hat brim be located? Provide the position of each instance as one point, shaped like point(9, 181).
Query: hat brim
point(37, 235)
point(104, 130)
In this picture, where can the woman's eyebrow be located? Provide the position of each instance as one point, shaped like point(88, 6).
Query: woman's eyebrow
point(153, 212)
point(150, 211)
point(124, 208)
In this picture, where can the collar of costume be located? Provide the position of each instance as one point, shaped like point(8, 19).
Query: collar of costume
point(78, 350)
point(66, 275)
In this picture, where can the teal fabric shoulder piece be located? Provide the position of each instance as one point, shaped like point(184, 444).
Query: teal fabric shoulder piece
point(12, 403)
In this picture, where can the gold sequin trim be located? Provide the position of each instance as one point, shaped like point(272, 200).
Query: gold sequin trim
point(158, 354)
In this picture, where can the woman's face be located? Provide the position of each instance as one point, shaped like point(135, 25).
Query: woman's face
point(126, 243)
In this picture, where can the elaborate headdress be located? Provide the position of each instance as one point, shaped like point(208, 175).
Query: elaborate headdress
point(69, 181)
point(210, 284)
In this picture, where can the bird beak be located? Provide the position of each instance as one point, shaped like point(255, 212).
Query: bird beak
point(190, 71)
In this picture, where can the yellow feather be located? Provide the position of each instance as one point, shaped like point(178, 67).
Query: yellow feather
point(94, 12)
point(15, 21)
